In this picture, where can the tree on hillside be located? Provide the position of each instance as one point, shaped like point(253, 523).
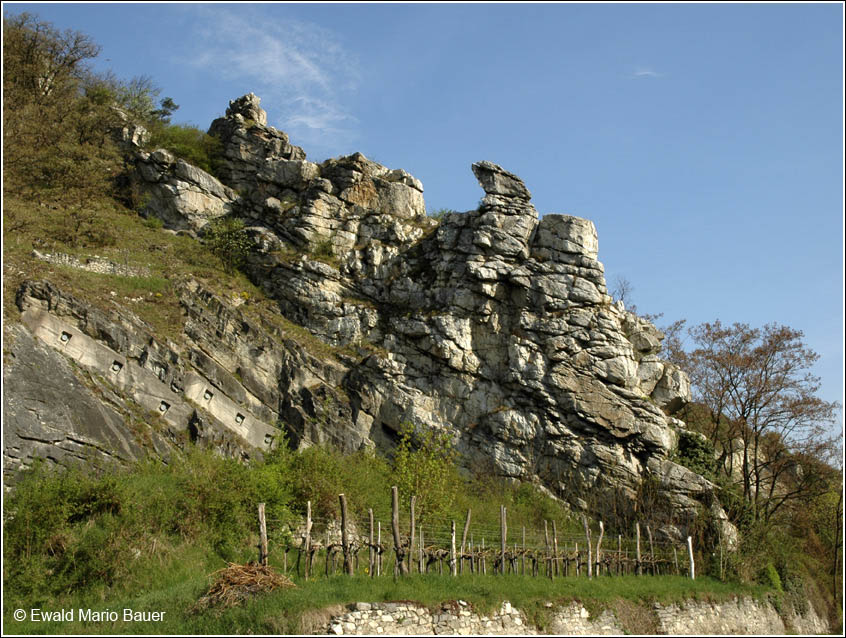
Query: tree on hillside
point(56, 144)
point(765, 415)
point(425, 467)
point(42, 64)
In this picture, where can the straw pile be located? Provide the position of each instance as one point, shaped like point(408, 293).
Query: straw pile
point(234, 584)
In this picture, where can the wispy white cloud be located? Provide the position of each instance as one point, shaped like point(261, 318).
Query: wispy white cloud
point(318, 114)
point(302, 73)
point(645, 72)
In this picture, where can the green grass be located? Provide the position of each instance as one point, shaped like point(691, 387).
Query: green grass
point(147, 538)
point(138, 243)
point(297, 610)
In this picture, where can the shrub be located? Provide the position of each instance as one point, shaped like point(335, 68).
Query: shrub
point(318, 478)
point(425, 466)
point(770, 577)
point(69, 530)
point(56, 143)
point(48, 544)
point(439, 214)
point(227, 238)
point(696, 453)
point(153, 223)
point(323, 249)
point(189, 143)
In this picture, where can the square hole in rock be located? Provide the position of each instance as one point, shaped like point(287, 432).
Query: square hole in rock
point(239, 418)
point(116, 366)
point(65, 337)
point(164, 406)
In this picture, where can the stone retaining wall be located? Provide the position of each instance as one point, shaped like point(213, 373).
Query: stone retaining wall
point(738, 616)
point(96, 264)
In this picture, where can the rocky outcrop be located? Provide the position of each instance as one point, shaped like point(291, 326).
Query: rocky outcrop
point(183, 196)
point(129, 135)
point(494, 325)
point(49, 413)
point(228, 385)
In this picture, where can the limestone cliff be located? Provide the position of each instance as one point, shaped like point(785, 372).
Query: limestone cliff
point(494, 324)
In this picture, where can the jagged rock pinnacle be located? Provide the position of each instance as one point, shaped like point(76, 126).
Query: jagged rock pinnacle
point(247, 106)
point(495, 180)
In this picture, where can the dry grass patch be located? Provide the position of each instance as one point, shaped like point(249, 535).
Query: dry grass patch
point(635, 617)
point(314, 620)
point(234, 584)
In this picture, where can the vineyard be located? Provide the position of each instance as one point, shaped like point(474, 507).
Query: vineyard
point(329, 545)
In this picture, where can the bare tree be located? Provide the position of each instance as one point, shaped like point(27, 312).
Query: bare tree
point(672, 347)
point(622, 291)
point(764, 409)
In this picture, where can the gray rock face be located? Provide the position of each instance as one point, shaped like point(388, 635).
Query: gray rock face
point(183, 196)
point(49, 413)
point(493, 325)
point(228, 365)
point(129, 135)
point(495, 180)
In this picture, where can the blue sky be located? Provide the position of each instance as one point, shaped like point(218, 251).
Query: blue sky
point(704, 141)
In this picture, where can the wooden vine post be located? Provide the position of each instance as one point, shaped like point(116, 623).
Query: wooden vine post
point(590, 556)
point(330, 554)
point(372, 568)
point(464, 541)
point(556, 565)
point(411, 542)
point(578, 561)
point(599, 548)
point(262, 535)
point(690, 557)
point(379, 548)
point(523, 554)
point(421, 566)
point(398, 550)
point(637, 547)
point(345, 541)
point(504, 533)
point(619, 554)
point(307, 541)
point(453, 563)
point(651, 550)
point(548, 557)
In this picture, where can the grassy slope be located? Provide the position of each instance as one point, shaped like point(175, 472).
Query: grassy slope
point(136, 243)
point(304, 608)
point(148, 538)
